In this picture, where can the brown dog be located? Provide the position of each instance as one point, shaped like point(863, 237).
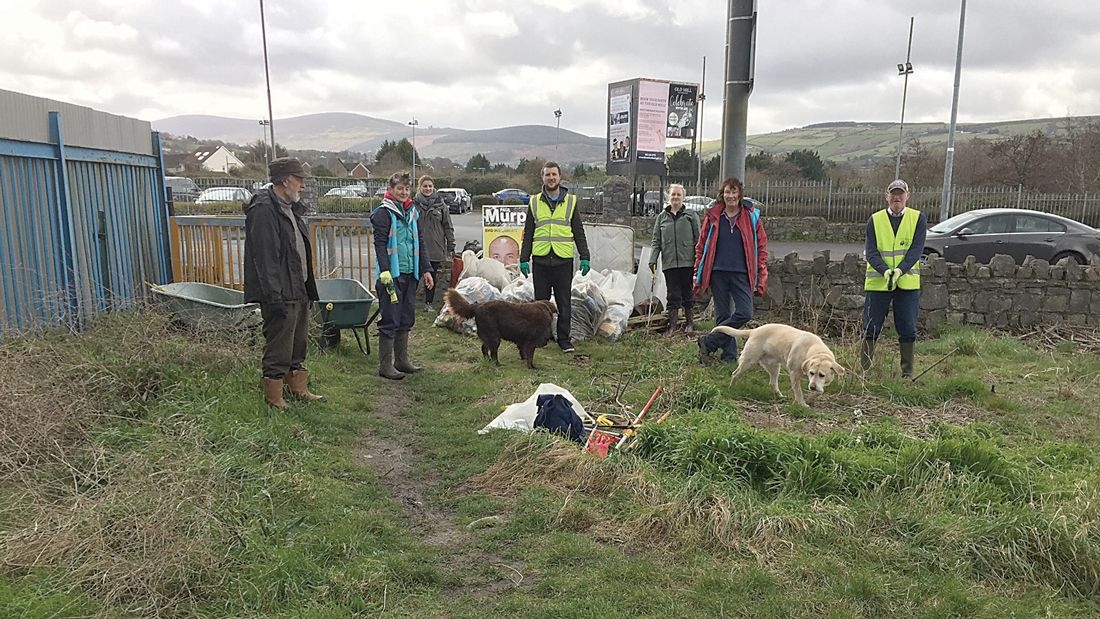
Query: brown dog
point(525, 324)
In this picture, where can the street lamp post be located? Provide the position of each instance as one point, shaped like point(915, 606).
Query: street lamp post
point(904, 69)
point(945, 200)
point(413, 123)
point(699, 131)
point(263, 141)
point(267, 77)
point(557, 118)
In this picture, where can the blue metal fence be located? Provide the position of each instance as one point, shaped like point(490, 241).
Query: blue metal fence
point(82, 230)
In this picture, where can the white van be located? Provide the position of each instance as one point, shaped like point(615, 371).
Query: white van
point(183, 188)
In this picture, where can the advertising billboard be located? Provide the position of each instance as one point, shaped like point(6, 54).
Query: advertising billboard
point(641, 115)
point(619, 147)
point(683, 111)
point(652, 115)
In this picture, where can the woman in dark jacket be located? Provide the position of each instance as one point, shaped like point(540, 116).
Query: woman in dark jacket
point(731, 258)
point(439, 235)
point(675, 233)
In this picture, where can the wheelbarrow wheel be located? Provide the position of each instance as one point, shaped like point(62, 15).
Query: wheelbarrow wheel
point(330, 336)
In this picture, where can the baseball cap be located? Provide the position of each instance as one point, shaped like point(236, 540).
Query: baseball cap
point(898, 184)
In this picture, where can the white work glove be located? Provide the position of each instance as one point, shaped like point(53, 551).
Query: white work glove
point(892, 276)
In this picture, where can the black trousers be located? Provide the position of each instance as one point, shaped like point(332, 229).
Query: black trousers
point(437, 274)
point(286, 327)
point(559, 281)
point(678, 281)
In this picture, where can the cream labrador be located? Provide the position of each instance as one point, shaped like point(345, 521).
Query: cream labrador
point(802, 354)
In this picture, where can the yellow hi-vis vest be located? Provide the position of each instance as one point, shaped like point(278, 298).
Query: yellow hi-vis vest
point(893, 247)
point(552, 229)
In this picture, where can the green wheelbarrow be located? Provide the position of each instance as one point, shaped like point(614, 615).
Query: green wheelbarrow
point(345, 304)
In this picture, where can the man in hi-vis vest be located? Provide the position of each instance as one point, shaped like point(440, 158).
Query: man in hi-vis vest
point(895, 242)
point(552, 228)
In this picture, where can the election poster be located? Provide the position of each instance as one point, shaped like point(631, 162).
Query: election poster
point(502, 231)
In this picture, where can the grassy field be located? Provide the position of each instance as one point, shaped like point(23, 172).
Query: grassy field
point(141, 475)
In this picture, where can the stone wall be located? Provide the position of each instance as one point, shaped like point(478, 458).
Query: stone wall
point(812, 229)
point(999, 294)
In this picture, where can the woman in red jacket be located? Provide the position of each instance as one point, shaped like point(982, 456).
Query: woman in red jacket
point(731, 259)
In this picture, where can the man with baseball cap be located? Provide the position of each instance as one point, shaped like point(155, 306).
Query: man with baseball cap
point(895, 243)
point(278, 274)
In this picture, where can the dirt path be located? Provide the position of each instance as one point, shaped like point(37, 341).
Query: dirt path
point(396, 461)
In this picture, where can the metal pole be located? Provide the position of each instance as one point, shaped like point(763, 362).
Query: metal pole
point(945, 202)
point(906, 69)
point(413, 123)
point(699, 131)
point(267, 77)
point(740, 57)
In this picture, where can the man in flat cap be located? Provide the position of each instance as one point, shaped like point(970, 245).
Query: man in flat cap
point(895, 243)
point(278, 274)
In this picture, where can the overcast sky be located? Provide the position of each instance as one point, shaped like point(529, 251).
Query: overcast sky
point(476, 64)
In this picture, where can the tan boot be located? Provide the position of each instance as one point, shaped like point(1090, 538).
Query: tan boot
point(385, 359)
point(273, 393)
point(689, 320)
point(298, 381)
point(401, 354)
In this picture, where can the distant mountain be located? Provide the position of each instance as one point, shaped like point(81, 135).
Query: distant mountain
point(334, 131)
point(345, 131)
point(838, 141)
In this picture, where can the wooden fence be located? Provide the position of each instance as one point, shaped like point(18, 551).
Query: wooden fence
point(211, 249)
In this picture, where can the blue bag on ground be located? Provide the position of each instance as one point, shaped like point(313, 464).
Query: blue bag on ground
point(556, 414)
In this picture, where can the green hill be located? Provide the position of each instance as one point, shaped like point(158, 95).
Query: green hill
point(853, 141)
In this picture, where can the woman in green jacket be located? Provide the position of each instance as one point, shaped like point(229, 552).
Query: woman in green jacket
point(675, 233)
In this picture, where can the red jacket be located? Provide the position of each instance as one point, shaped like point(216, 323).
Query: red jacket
point(755, 257)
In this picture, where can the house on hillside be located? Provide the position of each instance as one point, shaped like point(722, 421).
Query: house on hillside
point(358, 170)
point(219, 159)
point(340, 167)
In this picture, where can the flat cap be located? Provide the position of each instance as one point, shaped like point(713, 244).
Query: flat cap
point(286, 166)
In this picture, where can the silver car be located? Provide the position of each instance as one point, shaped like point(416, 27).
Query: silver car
point(1015, 232)
point(224, 194)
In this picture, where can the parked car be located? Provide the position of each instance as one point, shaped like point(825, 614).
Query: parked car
point(458, 200)
point(224, 194)
point(353, 191)
point(514, 194)
point(1014, 232)
point(183, 188)
point(698, 203)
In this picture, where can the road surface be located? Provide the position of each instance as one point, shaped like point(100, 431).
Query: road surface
point(468, 228)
